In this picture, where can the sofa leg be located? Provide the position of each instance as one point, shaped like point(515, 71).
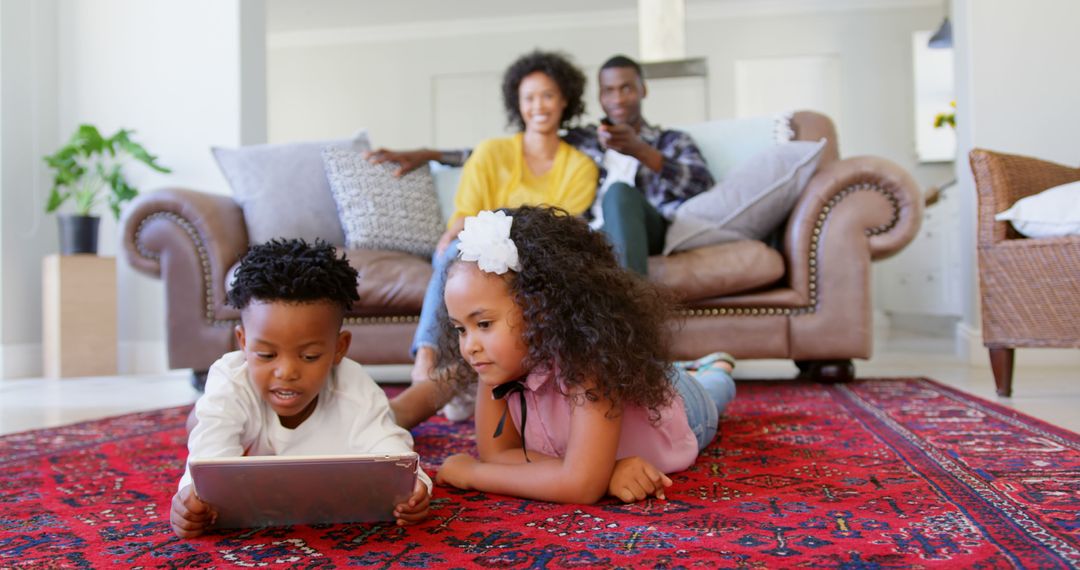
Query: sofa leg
point(198, 379)
point(829, 371)
point(1001, 362)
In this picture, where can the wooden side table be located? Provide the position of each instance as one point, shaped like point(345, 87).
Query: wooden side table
point(79, 310)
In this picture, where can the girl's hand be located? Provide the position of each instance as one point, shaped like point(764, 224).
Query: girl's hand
point(634, 479)
point(456, 471)
point(190, 515)
point(416, 508)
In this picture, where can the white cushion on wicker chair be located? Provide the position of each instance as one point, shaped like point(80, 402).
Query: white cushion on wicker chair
point(1054, 212)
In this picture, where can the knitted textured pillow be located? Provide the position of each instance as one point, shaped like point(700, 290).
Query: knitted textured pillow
point(380, 211)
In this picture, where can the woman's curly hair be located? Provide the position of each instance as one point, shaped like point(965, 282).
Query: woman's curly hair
point(595, 322)
point(566, 75)
point(293, 271)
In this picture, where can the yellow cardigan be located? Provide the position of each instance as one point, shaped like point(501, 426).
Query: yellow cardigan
point(495, 176)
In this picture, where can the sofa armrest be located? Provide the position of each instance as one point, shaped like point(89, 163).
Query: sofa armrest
point(888, 220)
point(164, 227)
point(852, 212)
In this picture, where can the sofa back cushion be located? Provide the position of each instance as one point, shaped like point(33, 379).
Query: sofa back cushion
point(282, 188)
point(727, 143)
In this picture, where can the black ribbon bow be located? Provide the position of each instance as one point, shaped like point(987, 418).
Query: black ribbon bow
point(502, 391)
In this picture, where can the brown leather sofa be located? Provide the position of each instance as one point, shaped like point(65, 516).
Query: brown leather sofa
point(808, 300)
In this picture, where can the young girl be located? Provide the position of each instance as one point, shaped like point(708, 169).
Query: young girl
point(573, 349)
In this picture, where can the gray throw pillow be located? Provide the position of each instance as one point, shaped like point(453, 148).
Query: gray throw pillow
point(752, 201)
point(380, 211)
point(282, 188)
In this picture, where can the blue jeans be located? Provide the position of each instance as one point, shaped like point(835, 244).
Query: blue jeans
point(705, 397)
point(427, 330)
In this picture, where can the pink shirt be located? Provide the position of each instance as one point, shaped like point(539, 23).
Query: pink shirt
point(669, 444)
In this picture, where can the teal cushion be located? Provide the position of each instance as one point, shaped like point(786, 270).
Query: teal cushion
point(446, 184)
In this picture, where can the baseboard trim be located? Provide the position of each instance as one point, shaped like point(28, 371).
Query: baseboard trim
point(21, 361)
point(970, 349)
point(142, 357)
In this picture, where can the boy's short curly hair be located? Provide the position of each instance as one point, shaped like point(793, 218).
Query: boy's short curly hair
point(595, 322)
point(294, 271)
point(566, 75)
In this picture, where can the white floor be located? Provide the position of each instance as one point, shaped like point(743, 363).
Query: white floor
point(1046, 392)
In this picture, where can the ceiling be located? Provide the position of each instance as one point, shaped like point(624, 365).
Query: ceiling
point(285, 16)
point(300, 15)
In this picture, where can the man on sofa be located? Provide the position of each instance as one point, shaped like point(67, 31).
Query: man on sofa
point(645, 174)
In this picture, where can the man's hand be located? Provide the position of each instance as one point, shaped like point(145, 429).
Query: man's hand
point(622, 138)
point(407, 160)
point(456, 471)
point(190, 515)
point(416, 508)
point(634, 479)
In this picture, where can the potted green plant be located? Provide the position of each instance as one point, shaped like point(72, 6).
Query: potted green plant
point(87, 170)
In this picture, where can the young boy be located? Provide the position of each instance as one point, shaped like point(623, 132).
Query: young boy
point(289, 390)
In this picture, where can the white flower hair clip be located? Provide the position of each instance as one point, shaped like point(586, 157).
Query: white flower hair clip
point(486, 240)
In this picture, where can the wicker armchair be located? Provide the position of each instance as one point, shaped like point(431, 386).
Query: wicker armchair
point(1030, 287)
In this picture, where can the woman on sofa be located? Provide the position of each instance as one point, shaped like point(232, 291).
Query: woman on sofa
point(542, 93)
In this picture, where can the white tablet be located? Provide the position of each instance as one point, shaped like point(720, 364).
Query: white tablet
point(283, 490)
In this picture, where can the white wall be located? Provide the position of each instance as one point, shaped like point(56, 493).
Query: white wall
point(1017, 92)
point(184, 74)
point(27, 132)
point(327, 83)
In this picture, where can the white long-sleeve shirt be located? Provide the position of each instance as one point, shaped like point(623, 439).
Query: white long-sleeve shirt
point(352, 415)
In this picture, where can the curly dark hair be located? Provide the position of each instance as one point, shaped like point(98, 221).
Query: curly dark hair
point(294, 271)
point(585, 315)
point(557, 66)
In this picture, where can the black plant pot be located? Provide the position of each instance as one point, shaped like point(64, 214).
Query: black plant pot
point(78, 234)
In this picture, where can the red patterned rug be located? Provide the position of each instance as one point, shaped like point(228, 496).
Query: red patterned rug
point(902, 473)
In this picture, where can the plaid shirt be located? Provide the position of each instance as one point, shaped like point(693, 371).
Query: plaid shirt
point(683, 175)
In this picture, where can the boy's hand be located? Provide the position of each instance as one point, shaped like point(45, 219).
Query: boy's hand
point(416, 508)
point(455, 471)
point(190, 515)
point(634, 479)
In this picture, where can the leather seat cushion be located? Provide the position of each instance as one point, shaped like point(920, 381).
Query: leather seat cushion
point(390, 282)
point(717, 270)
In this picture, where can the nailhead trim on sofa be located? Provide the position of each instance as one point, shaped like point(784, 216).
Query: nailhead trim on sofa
point(811, 307)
